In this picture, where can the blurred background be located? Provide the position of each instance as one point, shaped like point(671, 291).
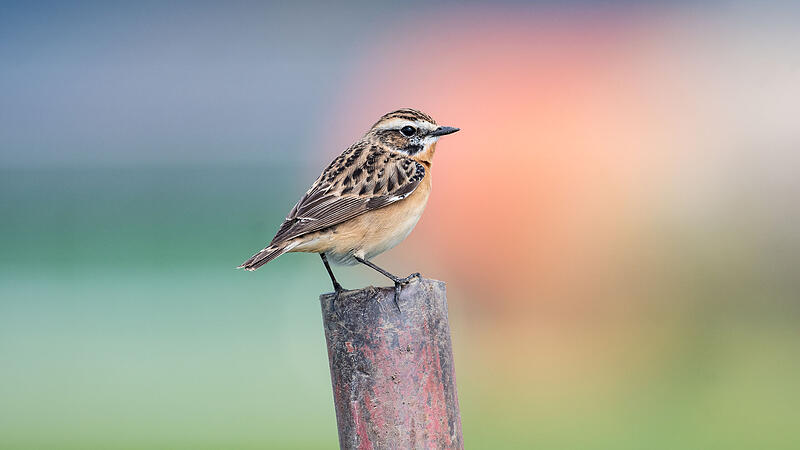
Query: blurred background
point(617, 221)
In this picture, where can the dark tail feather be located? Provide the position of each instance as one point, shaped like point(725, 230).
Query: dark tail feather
point(263, 257)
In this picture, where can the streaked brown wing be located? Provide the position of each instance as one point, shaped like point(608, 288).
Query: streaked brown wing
point(361, 179)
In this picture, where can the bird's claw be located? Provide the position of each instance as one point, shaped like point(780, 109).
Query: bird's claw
point(338, 290)
point(398, 285)
point(408, 279)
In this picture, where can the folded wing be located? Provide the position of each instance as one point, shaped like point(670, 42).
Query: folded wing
point(361, 179)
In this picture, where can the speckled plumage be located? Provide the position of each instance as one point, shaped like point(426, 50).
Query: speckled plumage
point(368, 199)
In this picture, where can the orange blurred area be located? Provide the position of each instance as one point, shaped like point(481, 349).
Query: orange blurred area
point(558, 147)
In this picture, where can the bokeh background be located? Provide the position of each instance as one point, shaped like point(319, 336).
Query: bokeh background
point(617, 221)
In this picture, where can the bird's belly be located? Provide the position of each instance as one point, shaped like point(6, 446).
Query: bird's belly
point(388, 235)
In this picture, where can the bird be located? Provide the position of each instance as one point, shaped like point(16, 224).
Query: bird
point(366, 201)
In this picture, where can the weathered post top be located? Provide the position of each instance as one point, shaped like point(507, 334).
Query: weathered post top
point(392, 372)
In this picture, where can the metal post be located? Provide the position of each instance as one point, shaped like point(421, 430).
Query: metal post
point(392, 372)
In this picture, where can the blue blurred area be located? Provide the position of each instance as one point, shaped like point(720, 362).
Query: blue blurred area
point(150, 83)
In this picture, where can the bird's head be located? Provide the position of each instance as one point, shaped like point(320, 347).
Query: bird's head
point(410, 132)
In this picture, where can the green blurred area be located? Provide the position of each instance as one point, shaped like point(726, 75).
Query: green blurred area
point(123, 325)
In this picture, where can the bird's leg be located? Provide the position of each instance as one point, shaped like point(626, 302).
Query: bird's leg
point(336, 286)
point(398, 282)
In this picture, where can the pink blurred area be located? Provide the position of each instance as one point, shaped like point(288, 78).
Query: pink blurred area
point(576, 132)
point(555, 153)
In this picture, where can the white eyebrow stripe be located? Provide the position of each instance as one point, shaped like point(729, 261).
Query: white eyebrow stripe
point(398, 123)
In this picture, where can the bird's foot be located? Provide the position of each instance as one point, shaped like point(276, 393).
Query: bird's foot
point(398, 284)
point(338, 290)
point(408, 279)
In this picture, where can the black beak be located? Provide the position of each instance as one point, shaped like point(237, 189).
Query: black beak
point(441, 131)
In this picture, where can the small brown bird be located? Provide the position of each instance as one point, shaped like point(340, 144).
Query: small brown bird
point(367, 200)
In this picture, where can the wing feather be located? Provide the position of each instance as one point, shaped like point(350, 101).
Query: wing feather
point(356, 182)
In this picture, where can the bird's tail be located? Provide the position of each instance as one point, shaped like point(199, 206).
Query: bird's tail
point(264, 256)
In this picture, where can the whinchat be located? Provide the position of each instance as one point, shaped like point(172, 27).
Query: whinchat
point(367, 200)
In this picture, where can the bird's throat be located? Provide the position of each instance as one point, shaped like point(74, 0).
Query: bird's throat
point(426, 155)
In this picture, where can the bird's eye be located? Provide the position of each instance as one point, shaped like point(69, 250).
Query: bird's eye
point(408, 130)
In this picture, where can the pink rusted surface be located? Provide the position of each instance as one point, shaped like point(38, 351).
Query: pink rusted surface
point(392, 372)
